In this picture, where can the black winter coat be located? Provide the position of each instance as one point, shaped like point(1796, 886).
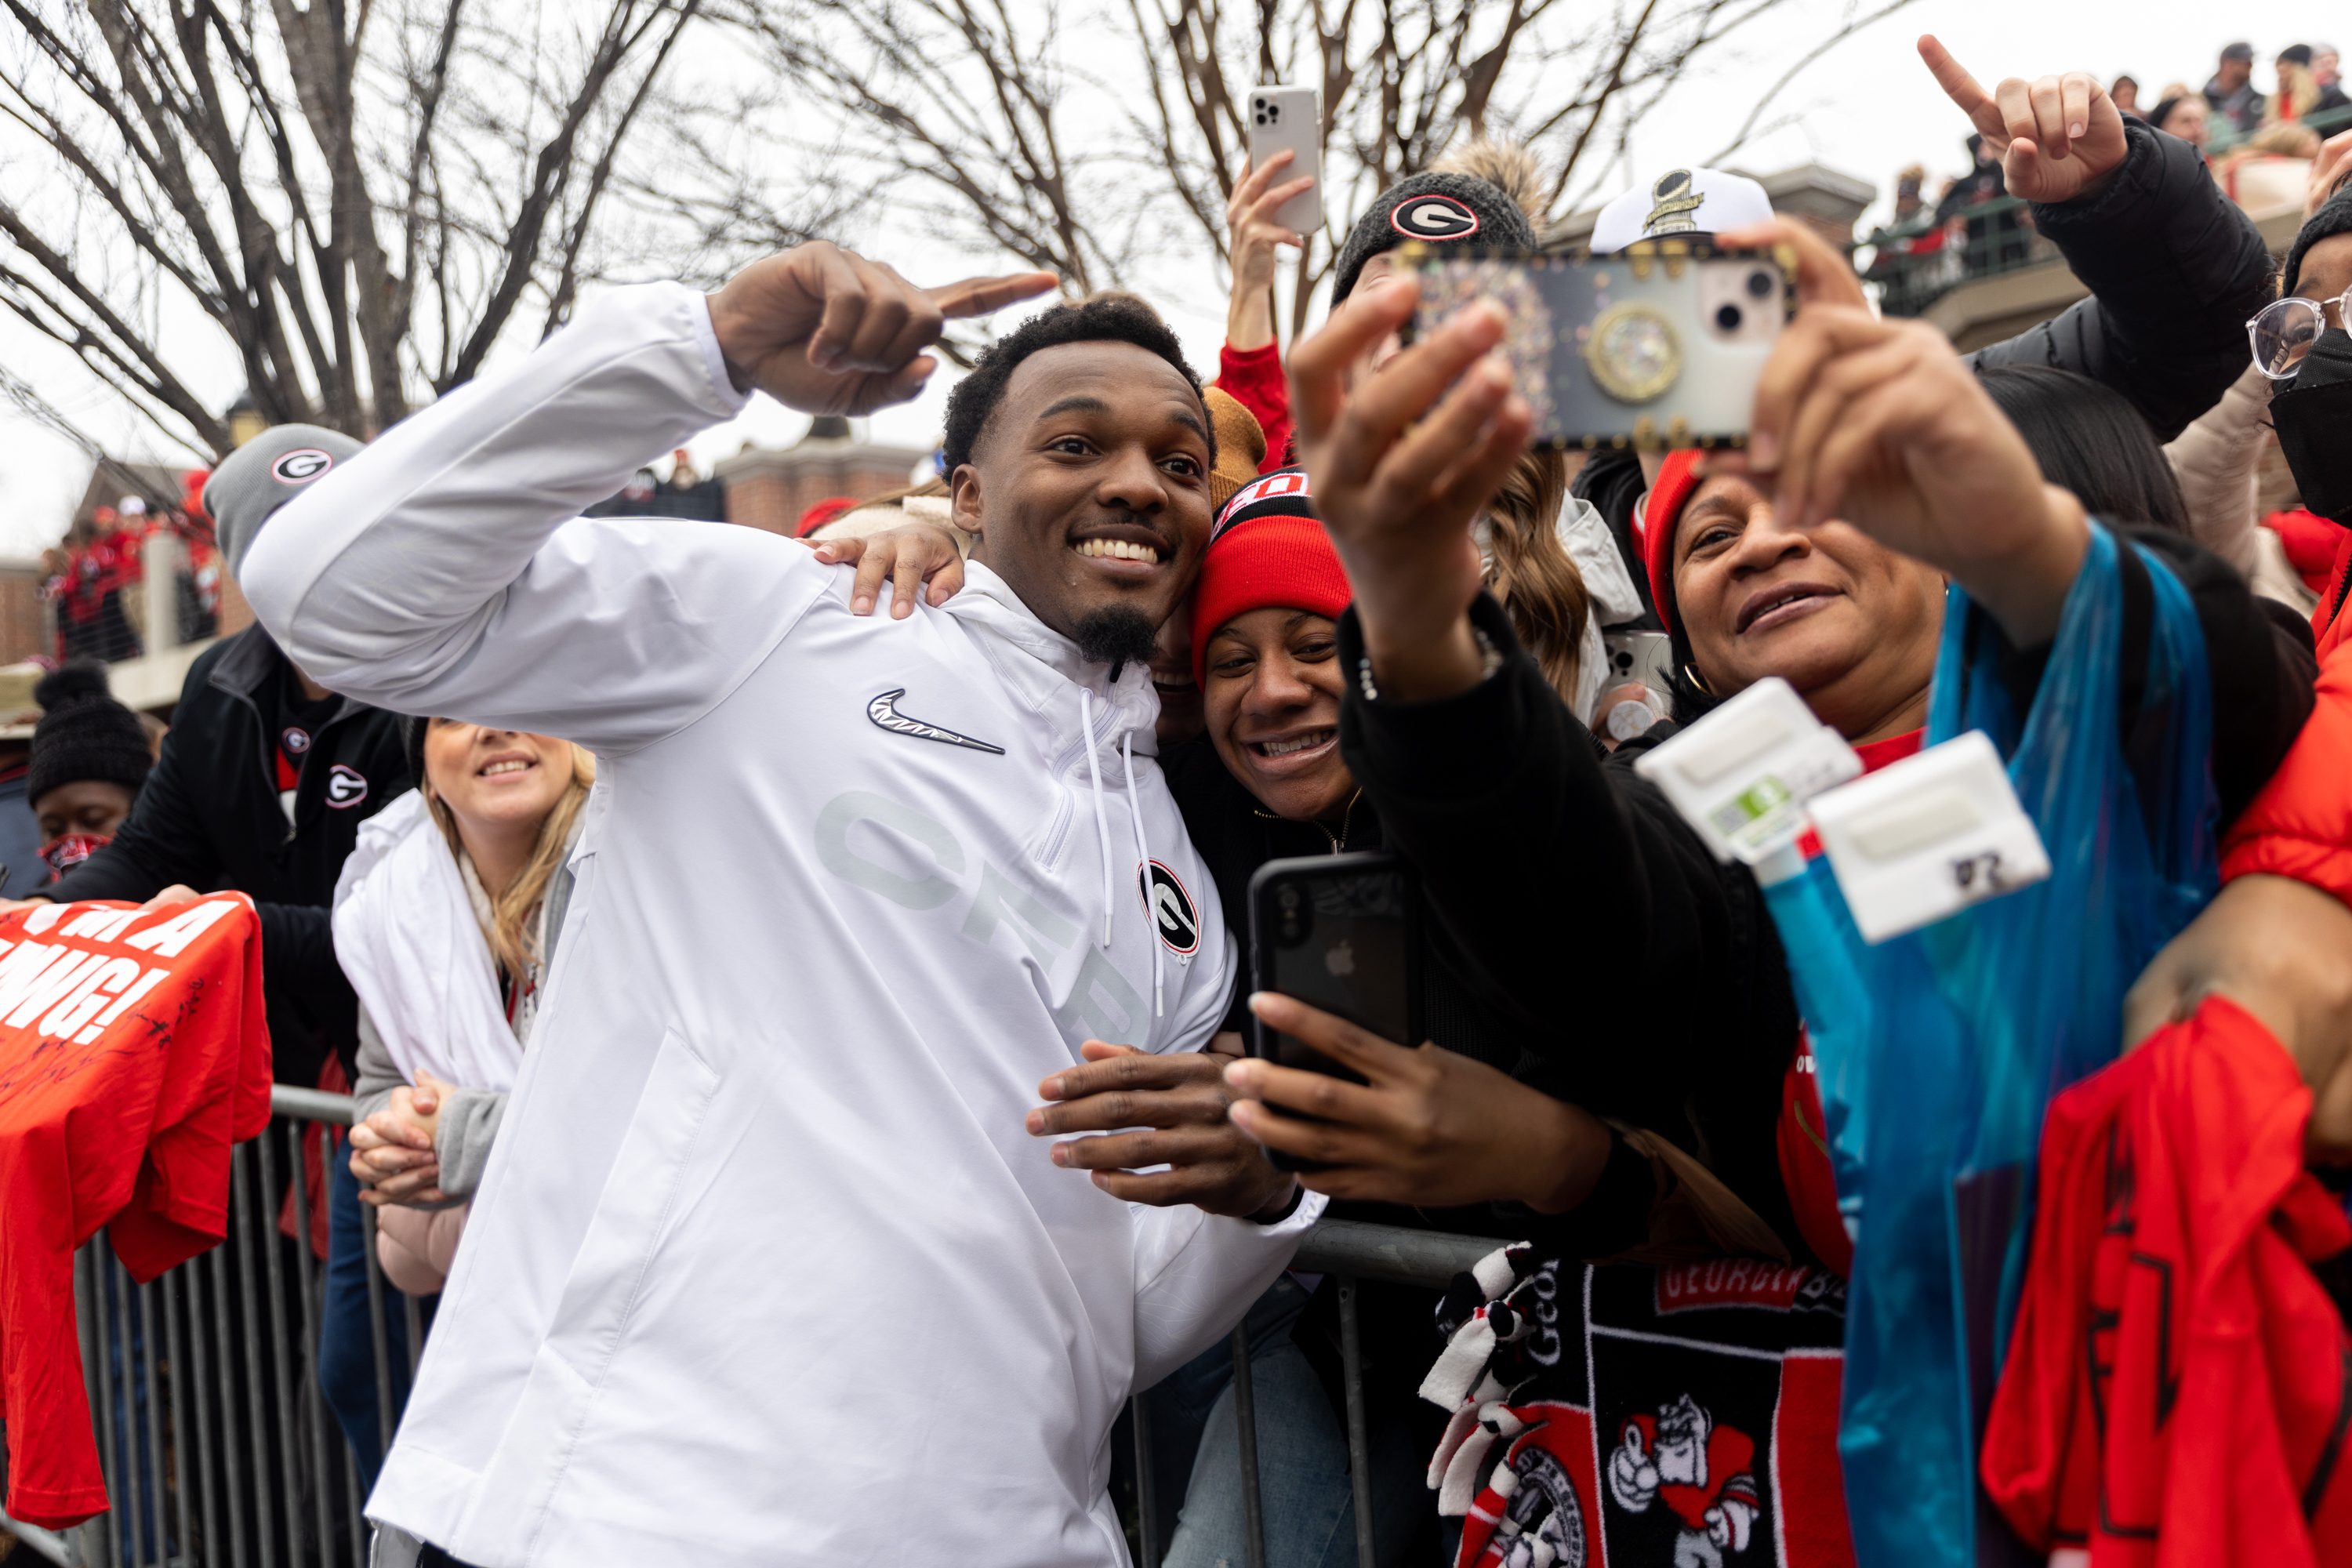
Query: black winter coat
point(2174, 270)
point(209, 818)
point(1234, 835)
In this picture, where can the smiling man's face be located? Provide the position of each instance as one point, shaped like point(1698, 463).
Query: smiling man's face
point(1089, 489)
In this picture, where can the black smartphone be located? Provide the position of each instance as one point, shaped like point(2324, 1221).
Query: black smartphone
point(1342, 932)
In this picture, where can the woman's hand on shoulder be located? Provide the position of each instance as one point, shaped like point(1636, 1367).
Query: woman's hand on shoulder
point(1428, 1127)
point(908, 557)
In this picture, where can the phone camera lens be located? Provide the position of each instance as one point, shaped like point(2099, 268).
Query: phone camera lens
point(1261, 117)
point(1728, 318)
point(1759, 284)
point(1289, 899)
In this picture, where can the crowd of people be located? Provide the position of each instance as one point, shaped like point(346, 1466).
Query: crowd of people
point(95, 577)
point(2259, 146)
point(796, 992)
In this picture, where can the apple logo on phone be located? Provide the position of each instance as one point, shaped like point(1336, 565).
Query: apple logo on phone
point(1339, 958)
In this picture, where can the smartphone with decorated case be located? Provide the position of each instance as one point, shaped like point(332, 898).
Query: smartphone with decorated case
point(1656, 347)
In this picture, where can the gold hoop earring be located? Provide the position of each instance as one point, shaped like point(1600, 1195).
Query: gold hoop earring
point(1691, 674)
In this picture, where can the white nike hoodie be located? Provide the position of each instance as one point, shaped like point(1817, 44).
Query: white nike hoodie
point(765, 1269)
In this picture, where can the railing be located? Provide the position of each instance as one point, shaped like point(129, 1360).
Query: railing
point(1980, 241)
point(217, 1446)
point(2226, 137)
point(151, 612)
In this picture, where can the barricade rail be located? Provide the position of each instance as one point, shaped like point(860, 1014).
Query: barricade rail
point(214, 1436)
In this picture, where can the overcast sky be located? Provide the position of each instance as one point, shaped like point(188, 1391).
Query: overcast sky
point(1867, 109)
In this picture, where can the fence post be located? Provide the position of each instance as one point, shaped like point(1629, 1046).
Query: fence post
point(1245, 1418)
point(159, 562)
point(1359, 1456)
point(1147, 1503)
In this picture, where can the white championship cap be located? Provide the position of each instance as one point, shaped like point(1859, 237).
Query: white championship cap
point(1681, 202)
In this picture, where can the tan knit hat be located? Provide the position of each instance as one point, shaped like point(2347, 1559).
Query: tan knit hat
point(1241, 447)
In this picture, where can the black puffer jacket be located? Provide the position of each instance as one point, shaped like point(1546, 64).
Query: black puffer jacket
point(2174, 270)
point(209, 818)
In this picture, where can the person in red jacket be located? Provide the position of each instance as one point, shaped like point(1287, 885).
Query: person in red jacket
point(1249, 366)
point(2186, 1266)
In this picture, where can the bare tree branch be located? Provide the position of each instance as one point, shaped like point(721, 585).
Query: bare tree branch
point(359, 196)
point(1756, 111)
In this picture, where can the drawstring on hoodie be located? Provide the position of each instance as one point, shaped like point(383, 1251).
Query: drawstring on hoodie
point(1143, 845)
point(1143, 870)
point(1102, 822)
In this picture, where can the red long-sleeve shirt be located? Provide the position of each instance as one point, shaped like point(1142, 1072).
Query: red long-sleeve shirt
point(1255, 379)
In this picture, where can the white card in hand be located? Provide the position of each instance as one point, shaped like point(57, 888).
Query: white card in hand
point(1926, 836)
point(1742, 775)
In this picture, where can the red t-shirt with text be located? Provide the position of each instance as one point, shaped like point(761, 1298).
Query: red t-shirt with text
point(134, 1051)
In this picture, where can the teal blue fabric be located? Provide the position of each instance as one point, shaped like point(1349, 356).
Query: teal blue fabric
point(1938, 1051)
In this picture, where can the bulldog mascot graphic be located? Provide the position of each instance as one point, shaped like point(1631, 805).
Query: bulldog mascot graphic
point(1699, 1470)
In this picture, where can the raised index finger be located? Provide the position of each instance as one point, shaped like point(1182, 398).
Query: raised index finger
point(979, 296)
point(1960, 86)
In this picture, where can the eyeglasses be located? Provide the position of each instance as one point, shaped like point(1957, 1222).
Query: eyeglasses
point(2284, 330)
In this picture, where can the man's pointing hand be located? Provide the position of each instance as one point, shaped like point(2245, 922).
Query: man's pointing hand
point(824, 330)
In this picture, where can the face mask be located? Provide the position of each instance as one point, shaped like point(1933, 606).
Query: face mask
point(2313, 416)
point(63, 854)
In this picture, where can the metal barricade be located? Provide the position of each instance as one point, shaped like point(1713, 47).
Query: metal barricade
point(216, 1442)
point(1350, 1251)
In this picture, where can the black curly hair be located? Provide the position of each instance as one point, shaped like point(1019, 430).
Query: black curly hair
point(1103, 318)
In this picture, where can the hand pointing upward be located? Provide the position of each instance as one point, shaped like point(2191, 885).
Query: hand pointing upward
point(2058, 137)
point(824, 330)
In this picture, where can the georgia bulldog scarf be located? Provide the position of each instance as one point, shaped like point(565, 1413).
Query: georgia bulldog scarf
point(1632, 1414)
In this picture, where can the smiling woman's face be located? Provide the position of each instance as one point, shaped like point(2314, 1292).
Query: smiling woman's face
point(1853, 625)
point(1272, 694)
point(495, 779)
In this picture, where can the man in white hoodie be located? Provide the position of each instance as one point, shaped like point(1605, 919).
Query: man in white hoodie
point(765, 1269)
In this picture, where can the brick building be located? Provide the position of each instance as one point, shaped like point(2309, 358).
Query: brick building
point(23, 626)
point(770, 488)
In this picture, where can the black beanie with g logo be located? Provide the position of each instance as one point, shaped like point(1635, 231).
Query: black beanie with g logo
point(1436, 209)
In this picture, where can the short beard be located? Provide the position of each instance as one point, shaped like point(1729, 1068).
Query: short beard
point(1116, 634)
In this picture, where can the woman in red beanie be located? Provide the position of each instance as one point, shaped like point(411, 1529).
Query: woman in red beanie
point(1266, 782)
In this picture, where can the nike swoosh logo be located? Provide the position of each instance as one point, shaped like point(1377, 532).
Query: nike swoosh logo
point(883, 711)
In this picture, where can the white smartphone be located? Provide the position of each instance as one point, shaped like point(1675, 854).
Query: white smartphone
point(1290, 120)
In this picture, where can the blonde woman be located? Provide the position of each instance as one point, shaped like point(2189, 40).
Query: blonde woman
point(445, 921)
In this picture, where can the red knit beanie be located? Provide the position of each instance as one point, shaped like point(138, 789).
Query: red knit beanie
point(1662, 509)
point(1268, 549)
